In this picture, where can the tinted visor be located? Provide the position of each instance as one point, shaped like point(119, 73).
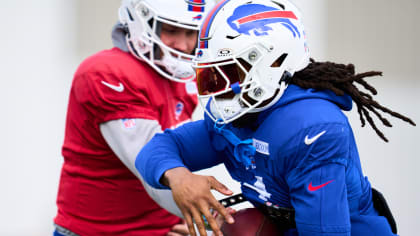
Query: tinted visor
point(211, 80)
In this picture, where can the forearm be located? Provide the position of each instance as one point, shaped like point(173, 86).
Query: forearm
point(188, 146)
point(126, 143)
point(163, 197)
point(156, 157)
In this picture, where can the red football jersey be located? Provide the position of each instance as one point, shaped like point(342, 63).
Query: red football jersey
point(98, 195)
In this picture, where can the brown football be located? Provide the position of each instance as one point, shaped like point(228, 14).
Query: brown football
point(250, 222)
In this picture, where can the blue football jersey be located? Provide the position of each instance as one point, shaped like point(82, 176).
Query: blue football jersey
point(304, 157)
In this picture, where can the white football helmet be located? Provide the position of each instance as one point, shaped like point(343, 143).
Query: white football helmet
point(248, 51)
point(143, 19)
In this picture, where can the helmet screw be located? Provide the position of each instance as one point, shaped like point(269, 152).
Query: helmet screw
point(252, 56)
point(258, 92)
point(271, 48)
point(144, 11)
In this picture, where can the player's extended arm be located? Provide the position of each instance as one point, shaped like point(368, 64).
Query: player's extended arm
point(126, 144)
point(166, 161)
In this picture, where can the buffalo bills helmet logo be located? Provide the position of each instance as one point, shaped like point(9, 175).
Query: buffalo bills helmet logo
point(257, 18)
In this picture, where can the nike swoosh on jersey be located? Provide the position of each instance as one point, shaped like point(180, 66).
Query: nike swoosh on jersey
point(314, 188)
point(118, 88)
point(309, 141)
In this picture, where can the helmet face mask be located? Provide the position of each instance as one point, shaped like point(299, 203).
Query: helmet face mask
point(231, 87)
point(257, 45)
point(144, 20)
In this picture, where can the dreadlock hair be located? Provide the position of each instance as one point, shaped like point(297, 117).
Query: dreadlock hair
point(341, 79)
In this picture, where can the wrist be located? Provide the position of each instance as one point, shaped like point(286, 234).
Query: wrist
point(171, 176)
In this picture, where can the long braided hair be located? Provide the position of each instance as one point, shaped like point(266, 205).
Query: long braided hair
point(341, 79)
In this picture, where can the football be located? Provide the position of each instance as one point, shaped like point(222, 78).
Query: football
point(250, 222)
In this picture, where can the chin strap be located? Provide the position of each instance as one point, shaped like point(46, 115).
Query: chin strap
point(243, 149)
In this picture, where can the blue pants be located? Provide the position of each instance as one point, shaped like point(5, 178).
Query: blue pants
point(57, 233)
point(60, 231)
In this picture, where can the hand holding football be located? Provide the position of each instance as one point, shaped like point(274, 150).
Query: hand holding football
point(250, 222)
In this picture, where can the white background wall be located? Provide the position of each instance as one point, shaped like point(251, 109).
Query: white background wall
point(43, 41)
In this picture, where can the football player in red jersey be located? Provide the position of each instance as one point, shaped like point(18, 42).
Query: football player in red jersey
point(119, 99)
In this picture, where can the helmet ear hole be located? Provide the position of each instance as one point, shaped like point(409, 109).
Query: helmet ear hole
point(286, 77)
point(150, 22)
point(245, 64)
point(279, 61)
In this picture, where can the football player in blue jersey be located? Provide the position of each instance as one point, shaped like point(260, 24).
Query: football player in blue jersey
point(274, 117)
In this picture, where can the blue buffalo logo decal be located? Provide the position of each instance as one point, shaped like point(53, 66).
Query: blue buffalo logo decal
point(256, 18)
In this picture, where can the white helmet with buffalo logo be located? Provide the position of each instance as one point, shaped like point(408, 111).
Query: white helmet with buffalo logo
point(247, 53)
point(143, 20)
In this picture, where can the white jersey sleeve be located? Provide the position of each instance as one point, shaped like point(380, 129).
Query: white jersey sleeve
point(126, 137)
